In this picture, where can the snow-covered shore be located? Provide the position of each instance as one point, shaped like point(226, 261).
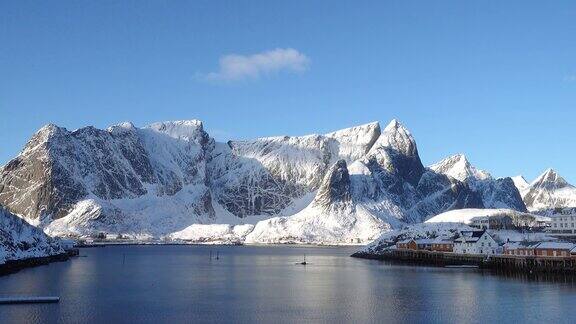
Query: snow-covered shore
point(20, 240)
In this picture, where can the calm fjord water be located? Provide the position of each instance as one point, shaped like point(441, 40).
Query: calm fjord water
point(137, 284)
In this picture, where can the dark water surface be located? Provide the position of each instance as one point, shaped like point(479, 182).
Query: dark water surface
point(137, 284)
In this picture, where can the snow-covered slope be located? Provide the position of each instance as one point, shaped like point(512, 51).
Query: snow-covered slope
point(213, 234)
point(334, 217)
point(549, 192)
point(20, 240)
point(495, 193)
point(465, 216)
point(520, 183)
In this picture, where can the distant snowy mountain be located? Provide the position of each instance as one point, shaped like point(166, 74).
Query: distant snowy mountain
point(20, 240)
point(458, 167)
point(171, 179)
point(549, 193)
point(495, 193)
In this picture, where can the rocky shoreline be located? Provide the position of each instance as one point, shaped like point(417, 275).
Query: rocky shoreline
point(13, 266)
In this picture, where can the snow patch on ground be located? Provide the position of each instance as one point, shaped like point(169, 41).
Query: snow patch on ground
point(315, 225)
point(465, 216)
point(213, 234)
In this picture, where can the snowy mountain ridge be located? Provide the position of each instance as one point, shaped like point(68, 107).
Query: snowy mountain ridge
point(171, 179)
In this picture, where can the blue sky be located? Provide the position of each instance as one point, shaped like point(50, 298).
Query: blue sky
point(495, 80)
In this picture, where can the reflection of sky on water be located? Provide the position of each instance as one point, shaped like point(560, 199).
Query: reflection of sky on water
point(258, 284)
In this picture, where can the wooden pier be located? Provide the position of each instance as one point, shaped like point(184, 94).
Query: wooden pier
point(500, 262)
point(531, 264)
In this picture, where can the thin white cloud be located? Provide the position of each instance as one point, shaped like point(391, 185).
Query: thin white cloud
point(236, 67)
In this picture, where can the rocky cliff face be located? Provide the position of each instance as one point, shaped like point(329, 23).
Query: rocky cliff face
point(165, 177)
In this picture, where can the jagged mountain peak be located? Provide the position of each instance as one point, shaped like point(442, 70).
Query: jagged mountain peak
point(397, 137)
point(394, 123)
point(550, 179)
point(395, 152)
point(459, 167)
point(46, 132)
point(49, 128)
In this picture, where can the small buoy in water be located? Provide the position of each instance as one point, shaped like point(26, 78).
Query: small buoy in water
point(303, 262)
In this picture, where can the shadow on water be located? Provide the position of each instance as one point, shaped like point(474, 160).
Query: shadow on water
point(525, 277)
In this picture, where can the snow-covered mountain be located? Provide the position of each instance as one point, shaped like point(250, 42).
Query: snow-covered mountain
point(119, 179)
point(495, 193)
point(20, 240)
point(549, 193)
point(172, 178)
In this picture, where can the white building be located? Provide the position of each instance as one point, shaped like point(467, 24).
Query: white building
point(476, 242)
point(563, 225)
